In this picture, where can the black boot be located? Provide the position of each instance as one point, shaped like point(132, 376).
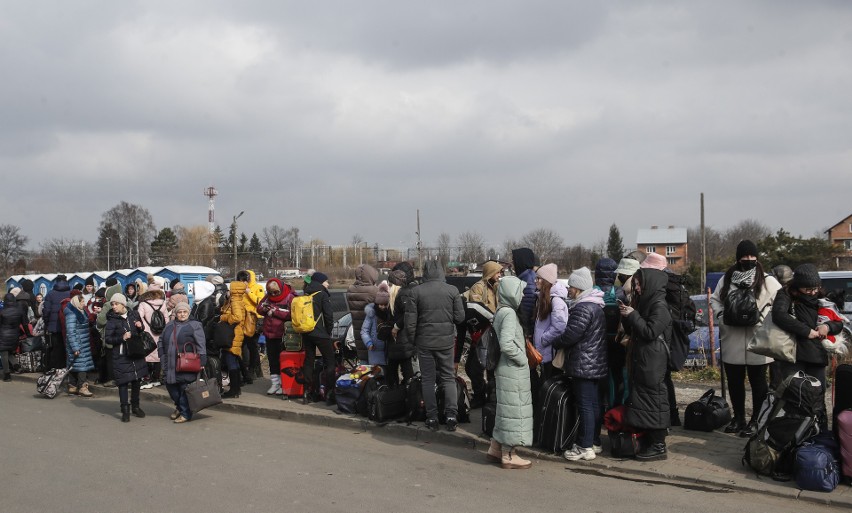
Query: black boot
point(235, 388)
point(137, 411)
point(654, 452)
point(7, 376)
point(125, 413)
point(736, 425)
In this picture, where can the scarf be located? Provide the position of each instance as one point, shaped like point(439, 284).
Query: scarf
point(741, 278)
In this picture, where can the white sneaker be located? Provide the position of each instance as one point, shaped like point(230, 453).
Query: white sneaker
point(156, 384)
point(146, 386)
point(577, 453)
point(597, 448)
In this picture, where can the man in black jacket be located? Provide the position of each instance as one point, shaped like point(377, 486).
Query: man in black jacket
point(435, 309)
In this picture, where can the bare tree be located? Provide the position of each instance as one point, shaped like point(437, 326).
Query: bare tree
point(193, 245)
point(11, 246)
point(471, 247)
point(134, 227)
point(444, 248)
point(546, 244)
point(575, 257)
point(66, 255)
point(750, 229)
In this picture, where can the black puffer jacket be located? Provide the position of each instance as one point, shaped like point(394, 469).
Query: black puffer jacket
point(800, 325)
point(11, 318)
point(403, 346)
point(358, 296)
point(649, 327)
point(585, 340)
point(322, 310)
point(436, 308)
point(125, 369)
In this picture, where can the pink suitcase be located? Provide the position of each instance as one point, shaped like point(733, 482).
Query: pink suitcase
point(844, 435)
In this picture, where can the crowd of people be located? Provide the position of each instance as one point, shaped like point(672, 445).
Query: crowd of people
point(610, 331)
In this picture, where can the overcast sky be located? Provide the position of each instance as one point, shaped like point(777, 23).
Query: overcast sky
point(489, 116)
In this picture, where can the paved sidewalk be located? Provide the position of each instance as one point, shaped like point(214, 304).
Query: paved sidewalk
point(706, 460)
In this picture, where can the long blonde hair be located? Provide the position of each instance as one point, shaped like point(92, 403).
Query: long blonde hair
point(394, 290)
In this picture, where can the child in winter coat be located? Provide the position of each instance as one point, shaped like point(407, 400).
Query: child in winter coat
point(377, 326)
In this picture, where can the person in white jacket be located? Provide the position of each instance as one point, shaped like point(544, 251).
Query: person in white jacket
point(734, 340)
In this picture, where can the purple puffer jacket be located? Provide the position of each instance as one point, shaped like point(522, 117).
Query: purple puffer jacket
point(585, 338)
point(550, 329)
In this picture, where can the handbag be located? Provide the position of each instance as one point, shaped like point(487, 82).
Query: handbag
point(533, 356)
point(770, 340)
point(148, 343)
point(134, 347)
point(202, 393)
point(187, 361)
point(559, 359)
point(708, 413)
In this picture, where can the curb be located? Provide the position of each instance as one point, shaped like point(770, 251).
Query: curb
point(604, 466)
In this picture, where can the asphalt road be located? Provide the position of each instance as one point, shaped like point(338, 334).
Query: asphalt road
point(74, 455)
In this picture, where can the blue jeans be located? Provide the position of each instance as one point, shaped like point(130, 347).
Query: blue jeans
point(588, 409)
point(178, 394)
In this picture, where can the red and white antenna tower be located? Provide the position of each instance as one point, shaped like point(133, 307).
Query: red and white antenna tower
point(211, 194)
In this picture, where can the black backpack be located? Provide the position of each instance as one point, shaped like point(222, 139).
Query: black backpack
point(741, 307)
point(158, 320)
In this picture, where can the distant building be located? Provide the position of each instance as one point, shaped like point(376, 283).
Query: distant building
point(669, 242)
point(841, 233)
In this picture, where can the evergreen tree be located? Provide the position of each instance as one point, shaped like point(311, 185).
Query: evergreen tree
point(614, 244)
point(164, 247)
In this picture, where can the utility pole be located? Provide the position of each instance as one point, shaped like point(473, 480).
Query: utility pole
point(703, 248)
point(235, 240)
point(419, 242)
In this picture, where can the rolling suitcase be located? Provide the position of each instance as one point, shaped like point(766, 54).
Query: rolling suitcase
point(842, 385)
point(843, 427)
point(30, 361)
point(292, 379)
point(559, 420)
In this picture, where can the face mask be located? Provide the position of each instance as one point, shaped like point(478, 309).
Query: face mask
point(747, 265)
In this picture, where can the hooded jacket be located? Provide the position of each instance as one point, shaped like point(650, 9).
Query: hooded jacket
point(584, 337)
point(436, 308)
point(513, 423)
point(550, 329)
point(234, 313)
point(276, 310)
point(77, 339)
point(485, 291)
point(11, 318)
point(798, 317)
point(358, 296)
point(403, 346)
point(254, 293)
point(649, 327)
point(52, 304)
point(524, 262)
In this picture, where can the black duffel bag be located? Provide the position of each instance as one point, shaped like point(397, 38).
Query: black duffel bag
point(708, 413)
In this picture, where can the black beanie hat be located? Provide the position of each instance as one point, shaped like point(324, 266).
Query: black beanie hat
point(746, 248)
point(77, 286)
point(27, 285)
point(90, 280)
point(319, 277)
point(806, 276)
point(111, 281)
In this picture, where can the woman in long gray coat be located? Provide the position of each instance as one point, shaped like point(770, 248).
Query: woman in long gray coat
point(513, 424)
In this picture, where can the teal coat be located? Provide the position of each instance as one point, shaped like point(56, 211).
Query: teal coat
point(513, 425)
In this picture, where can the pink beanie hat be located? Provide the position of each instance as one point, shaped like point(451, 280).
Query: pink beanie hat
point(654, 261)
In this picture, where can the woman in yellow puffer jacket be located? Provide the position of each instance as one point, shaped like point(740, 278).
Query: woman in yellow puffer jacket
point(234, 313)
point(254, 293)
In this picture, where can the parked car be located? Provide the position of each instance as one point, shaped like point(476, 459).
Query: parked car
point(699, 340)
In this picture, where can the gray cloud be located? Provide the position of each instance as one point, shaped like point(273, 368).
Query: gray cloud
point(498, 117)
